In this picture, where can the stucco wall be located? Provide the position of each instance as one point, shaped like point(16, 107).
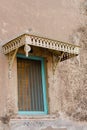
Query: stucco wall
point(63, 20)
point(51, 82)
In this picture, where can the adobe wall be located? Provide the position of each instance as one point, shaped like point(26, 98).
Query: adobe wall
point(51, 79)
point(63, 20)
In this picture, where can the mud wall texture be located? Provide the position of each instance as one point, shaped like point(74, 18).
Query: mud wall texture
point(64, 20)
point(74, 99)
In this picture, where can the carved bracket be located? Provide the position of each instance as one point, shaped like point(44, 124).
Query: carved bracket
point(11, 61)
point(27, 49)
point(56, 60)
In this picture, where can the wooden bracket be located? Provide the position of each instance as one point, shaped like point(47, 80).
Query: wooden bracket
point(11, 61)
point(27, 49)
point(56, 60)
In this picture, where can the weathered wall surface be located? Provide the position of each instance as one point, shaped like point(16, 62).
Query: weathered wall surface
point(63, 20)
point(75, 90)
point(51, 18)
point(46, 124)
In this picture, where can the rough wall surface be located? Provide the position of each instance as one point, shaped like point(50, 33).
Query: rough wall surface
point(76, 88)
point(63, 20)
point(56, 124)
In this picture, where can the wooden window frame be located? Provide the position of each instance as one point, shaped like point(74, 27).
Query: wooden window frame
point(43, 85)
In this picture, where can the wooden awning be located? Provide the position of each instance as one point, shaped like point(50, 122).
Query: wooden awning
point(27, 40)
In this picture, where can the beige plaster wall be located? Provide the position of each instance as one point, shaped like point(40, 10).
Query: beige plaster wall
point(51, 18)
point(63, 20)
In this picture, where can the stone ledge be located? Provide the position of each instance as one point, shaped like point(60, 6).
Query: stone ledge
point(34, 117)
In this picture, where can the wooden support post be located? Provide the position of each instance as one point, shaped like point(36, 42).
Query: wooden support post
point(11, 61)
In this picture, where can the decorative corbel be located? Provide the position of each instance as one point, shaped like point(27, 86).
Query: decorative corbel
point(11, 61)
point(27, 49)
point(56, 60)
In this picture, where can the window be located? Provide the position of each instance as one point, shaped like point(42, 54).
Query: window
point(31, 85)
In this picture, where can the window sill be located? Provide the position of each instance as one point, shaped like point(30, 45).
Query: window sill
point(34, 117)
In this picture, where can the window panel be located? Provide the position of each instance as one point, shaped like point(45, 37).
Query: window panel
point(30, 89)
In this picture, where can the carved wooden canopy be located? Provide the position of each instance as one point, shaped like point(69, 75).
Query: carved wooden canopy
point(60, 50)
point(27, 40)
